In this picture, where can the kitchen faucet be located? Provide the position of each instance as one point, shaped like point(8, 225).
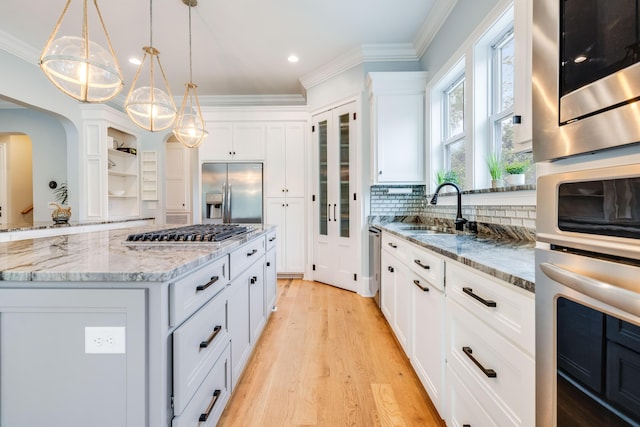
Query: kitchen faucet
point(460, 221)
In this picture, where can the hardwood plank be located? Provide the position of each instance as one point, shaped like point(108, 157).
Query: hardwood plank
point(328, 358)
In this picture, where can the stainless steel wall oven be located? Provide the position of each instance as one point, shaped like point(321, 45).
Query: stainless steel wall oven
point(588, 298)
point(586, 76)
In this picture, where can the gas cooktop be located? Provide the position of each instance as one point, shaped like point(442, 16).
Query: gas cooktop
point(198, 233)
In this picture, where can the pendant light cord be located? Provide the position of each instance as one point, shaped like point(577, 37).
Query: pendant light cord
point(151, 23)
point(190, 64)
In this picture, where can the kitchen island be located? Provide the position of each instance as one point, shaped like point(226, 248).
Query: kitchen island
point(97, 332)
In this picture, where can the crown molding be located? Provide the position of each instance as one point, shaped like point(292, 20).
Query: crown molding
point(390, 52)
point(250, 100)
point(435, 19)
point(18, 48)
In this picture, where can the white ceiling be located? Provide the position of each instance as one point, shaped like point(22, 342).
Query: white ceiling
point(240, 47)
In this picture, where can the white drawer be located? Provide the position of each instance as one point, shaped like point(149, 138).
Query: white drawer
point(246, 255)
point(271, 239)
point(474, 350)
point(196, 345)
point(211, 398)
point(420, 260)
point(191, 292)
point(463, 409)
point(504, 307)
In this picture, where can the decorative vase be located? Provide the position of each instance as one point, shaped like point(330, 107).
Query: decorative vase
point(497, 183)
point(60, 214)
point(515, 179)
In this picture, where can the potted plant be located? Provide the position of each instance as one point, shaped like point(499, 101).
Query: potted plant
point(515, 171)
point(447, 176)
point(61, 213)
point(496, 167)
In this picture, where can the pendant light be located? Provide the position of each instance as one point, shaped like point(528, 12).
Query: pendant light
point(189, 128)
point(80, 67)
point(148, 106)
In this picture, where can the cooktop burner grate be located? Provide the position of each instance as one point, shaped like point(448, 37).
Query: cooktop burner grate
point(191, 233)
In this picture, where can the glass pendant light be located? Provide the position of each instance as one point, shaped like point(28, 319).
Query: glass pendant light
point(148, 106)
point(80, 67)
point(189, 128)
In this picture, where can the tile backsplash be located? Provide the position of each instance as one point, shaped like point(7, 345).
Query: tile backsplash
point(384, 203)
point(498, 218)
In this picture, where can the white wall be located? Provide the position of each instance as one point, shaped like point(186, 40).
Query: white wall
point(19, 174)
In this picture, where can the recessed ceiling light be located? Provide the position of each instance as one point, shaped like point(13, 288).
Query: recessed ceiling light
point(580, 58)
point(135, 61)
point(292, 58)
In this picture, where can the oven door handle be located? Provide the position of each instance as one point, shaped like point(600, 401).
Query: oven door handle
point(615, 296)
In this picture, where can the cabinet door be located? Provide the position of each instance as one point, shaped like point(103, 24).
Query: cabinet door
point(176, 177)
point(219, 144)
point(403, 314)
point(295, 160)
point(335, 216)
point(271, 280)
point(238, 312)
point(275, 215)
point(400, 138)
point(51, 375)
point(257, 314)
point(248, 141)
point(427, 355)
point(388, 286)
point(275, 168)
point(294, 241)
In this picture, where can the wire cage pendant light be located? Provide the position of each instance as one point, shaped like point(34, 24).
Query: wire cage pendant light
point(150, 107)
point(189, 128)
point(79, 67)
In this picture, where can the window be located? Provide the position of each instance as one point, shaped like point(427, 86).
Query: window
point(453, 135)
point(502, 94)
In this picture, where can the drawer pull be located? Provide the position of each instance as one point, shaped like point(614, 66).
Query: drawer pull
point(466, 425)
point(390, 269)
point(417, 261)
point(213, 280)
point(488, 372)
point(486, 302)
point(392, 245)
point(214, 334)
point(253, 252)
point(424, 288)
point(203, 417)
point(253, 280)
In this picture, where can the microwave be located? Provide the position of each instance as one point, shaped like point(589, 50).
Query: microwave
point(591, 210)
point(586, 76)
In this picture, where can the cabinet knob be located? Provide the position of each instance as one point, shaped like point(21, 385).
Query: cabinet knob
point(283, 190)
point(516, 120)
point(379, 172)
point(230, 153)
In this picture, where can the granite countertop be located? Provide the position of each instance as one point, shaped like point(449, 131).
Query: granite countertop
point(510, 261)
point(44, 225)
point(101, 256)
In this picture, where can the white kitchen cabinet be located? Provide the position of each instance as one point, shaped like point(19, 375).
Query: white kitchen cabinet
point(231, 141)
point(177, 198)
point(285, 161)
point(522, 107)
point(488, 347)
point(397, 102)
point(288, 215)
point(335, 207)
point(270, 274)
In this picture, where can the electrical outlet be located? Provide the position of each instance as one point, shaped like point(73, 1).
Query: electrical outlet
point(99, 339)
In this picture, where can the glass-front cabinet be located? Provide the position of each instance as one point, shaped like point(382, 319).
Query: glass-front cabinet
point(334, 139)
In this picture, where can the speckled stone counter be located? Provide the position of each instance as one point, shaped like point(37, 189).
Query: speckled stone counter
point(101, 256)
point(510, 261)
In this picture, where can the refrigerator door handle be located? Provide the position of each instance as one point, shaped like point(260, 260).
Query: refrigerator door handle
point(224, 202)
point(229, 189)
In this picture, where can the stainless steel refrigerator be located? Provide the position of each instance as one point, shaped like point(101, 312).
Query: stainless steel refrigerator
point(232, 193)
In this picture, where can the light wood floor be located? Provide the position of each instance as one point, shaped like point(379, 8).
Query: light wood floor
point(328, 358)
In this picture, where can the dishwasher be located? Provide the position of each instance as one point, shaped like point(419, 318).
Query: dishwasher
point(374, 262)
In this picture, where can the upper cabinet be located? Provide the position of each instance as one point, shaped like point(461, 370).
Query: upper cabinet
point(229, 141)
point(397, 102)
point(285, 171)
point(522, 115)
